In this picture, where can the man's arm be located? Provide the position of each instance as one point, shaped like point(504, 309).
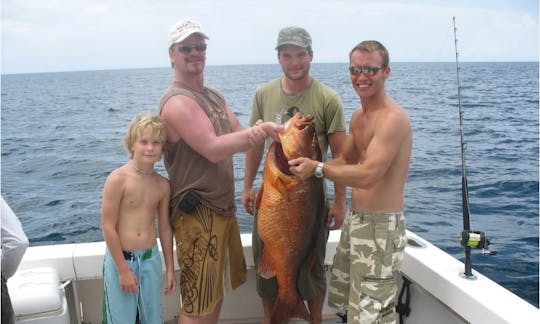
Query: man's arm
point(14, 241)
point(380, 153)
point(253, 161)
point(336, 214)
point(184, 119)
point(166, 237)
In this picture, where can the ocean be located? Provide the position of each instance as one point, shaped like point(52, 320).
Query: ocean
point(62, 134)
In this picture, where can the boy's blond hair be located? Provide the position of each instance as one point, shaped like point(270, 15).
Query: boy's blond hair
point(141, 123)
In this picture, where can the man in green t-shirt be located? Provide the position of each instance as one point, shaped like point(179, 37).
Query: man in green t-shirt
point(296, 88)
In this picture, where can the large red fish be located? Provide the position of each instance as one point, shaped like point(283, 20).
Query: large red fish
point(289, 215)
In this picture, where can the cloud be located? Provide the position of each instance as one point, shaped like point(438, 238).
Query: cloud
point(59, 35)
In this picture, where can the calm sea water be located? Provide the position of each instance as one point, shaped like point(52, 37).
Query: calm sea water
point(62, 133)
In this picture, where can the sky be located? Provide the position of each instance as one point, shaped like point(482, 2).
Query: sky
point(78, 35)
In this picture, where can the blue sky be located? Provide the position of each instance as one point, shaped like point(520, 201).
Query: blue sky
point(66, 35)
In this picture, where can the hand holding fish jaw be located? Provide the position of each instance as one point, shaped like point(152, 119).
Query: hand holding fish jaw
point(303, 167)
point(261, 130)
point(256, 135)
point(271, 129)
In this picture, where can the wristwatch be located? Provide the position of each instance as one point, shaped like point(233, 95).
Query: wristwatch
point(319, 170)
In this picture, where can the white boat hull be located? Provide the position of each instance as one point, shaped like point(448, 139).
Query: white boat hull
point(438, 294)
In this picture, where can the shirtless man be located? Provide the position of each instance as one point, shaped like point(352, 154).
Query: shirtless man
point(132, 197)
point(374, 162)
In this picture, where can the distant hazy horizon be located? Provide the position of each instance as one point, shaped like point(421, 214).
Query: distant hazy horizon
point(90, 35)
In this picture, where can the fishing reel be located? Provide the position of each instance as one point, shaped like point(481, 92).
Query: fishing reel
point(476, 240)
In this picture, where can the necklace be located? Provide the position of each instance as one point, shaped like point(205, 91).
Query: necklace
point(143, 172)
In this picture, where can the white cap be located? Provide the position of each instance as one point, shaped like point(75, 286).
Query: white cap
point(183, 29)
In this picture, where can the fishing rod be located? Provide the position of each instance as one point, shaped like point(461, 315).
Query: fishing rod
point(469, 239)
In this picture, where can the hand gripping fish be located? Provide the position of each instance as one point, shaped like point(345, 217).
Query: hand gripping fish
point(289, 215)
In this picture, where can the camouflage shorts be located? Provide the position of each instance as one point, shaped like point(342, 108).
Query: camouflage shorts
point(363, 276)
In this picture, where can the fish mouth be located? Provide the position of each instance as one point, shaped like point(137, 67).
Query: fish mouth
point(282, 164)
point(297, 131)
point(306, 122)
point(300, 121)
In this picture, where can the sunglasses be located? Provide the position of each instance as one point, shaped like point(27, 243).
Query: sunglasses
point(367, 70)
point(186, 49)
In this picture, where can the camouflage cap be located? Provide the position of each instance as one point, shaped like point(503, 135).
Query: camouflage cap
point(294, 36)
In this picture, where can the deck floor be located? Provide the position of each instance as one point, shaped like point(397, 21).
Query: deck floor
point(332, 320)
point(327, 321)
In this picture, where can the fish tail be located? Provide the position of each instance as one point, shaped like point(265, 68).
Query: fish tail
point(290, 305)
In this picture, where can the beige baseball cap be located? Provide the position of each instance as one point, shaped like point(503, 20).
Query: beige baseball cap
point(183, 29)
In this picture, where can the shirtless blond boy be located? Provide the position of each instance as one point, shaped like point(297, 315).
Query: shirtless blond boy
point(133, 196)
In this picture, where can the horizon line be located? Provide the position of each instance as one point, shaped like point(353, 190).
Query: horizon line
point(238, 64)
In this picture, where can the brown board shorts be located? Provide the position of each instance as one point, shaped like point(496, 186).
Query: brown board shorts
point(210, 256)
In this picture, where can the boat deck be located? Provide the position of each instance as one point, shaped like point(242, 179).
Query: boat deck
point(332, 320)
point(438, 293)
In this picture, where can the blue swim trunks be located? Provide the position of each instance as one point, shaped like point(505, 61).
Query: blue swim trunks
point(120, 307)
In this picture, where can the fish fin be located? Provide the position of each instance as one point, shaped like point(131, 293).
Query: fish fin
point(283, 311)
point(282, 188)
point(265, 268)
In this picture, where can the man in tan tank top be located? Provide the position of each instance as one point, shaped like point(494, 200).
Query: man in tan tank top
point(202, 135)
point(374, 162)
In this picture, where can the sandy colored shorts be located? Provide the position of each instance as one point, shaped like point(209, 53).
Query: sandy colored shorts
point(211, 258)
point(363, 275)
